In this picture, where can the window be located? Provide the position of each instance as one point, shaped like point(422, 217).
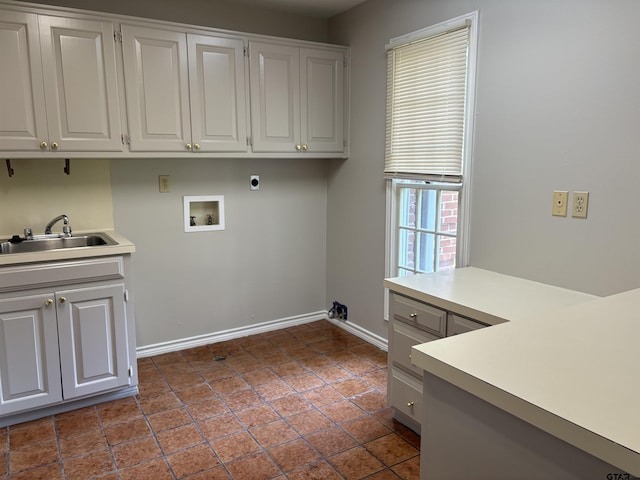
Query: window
point(430, 94)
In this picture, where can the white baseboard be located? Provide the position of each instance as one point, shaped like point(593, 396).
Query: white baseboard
point(364, 334)
point(184, 343)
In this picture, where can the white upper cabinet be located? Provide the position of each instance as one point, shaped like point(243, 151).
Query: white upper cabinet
point(59, 84)
point(23, 124)
point(217, 92)
point(297, 99)
point(157, 89)
point(81, 87)
point(184, 92)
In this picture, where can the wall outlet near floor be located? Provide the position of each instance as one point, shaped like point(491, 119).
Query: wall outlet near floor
point(164, 186)
point(338, 311)
point(580, 204)
point(559, 208)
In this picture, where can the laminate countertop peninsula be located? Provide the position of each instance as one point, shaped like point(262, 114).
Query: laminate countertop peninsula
point(572, 372)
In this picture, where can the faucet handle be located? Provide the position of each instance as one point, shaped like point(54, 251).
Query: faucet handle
point(66, 229)
point(28, 234)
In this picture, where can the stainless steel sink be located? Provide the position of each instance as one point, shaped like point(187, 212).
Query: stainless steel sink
point(52, 242)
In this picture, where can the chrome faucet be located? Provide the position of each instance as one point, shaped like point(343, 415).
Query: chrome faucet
point(66, 229)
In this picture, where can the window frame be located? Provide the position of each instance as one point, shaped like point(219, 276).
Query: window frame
point(464, 204)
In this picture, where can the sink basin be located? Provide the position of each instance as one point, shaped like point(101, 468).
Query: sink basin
point(41, 244)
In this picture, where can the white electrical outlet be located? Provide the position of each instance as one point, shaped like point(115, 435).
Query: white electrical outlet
point(559, 208)
point(580, 204)
point(254, 182)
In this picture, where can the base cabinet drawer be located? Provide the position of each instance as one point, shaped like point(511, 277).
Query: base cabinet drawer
point(403, 338)
point(419, 314)
point(457, 325)
point(406, 395)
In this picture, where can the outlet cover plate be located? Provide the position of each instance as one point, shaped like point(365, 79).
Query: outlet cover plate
point(559, 208)
point(580, 204)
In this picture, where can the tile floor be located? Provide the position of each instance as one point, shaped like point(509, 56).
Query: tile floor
point(306, 402)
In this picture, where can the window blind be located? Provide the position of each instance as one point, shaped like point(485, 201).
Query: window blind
point(426, 88)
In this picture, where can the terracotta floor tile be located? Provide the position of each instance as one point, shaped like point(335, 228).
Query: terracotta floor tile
point(291, 405)
point(33, 456)
point(351, 387)
point(408, 470)
point(365, 429)
point(154, 470)
point(84, 421)
point(274, 433)
point(195, 393)
point(206, 409)
point(309, 422)
point(3, 439)
point(32, 433)
point(293, 455)
point(359, 366)
point(323, 396)
point(243, 365)
point(356, 463)
point(376, 379)
point(315, 471)
point(253, 416)
point(120, 411)
point(169, 419)
point(125, 432)
point(82, 444)
point(274, 359)
point(151, 389)
point(179, 438)
point(49, 472)
point(216, 473)
point(183, 380)
point(234, 446)
point(220, 426)
point(3, 463)
point(342, 411)
point(255, 467)
point(192, 461)
point(92, 465)
point(160, 403)
point(274, 390)
point(331, 441)
point(371, 401)
point(334, 374)
point(317, 362)
point(138, 451)
point(307, 381)
point(386, 474)
point(259, 377)
point(241, 399)
point(216, 372)
point(391, 449)
point(288, 369)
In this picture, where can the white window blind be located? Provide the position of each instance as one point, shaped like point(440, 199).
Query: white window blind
point(426, 88)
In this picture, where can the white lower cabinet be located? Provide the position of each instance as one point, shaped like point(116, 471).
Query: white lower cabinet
point(412, 322)
point(64, 344)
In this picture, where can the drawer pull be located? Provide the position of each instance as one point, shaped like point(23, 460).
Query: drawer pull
point(410, 404)
point(63, 299)
point(413, 316)
point(48, 302)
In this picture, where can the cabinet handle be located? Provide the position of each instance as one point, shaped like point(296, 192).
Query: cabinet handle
point(410, 404)
point(196, 146)
point(43, 145)
point(48, 302)
point(63, 299)
point(188, 146)
point(54, 145)
point(413, 316)
point(305, 148)
point(298, 147)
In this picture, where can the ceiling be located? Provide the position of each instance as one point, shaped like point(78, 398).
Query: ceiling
point(315, 8)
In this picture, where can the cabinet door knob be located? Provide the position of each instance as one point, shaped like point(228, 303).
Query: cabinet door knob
point(410, 404)
point(298, 147)
point(413, 316)
point(54, 145)
point(188, 146)
point(43, 145)
point(305, 148)
point(48, 302)
point(63, 299)
point(196, 146)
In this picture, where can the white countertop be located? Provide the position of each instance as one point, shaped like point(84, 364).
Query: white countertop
point(123, 246)
point(573, 372)
point(486, 296)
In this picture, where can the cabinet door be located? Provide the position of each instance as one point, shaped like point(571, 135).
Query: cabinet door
point(93, 340)
point(81, 88)
point(274, 72)
point(322, 100)
point(217, 92)
point(22, 122)
point(29, 364)
point(157, 89)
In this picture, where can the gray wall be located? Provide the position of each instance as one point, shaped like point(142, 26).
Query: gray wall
point(558, 108)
